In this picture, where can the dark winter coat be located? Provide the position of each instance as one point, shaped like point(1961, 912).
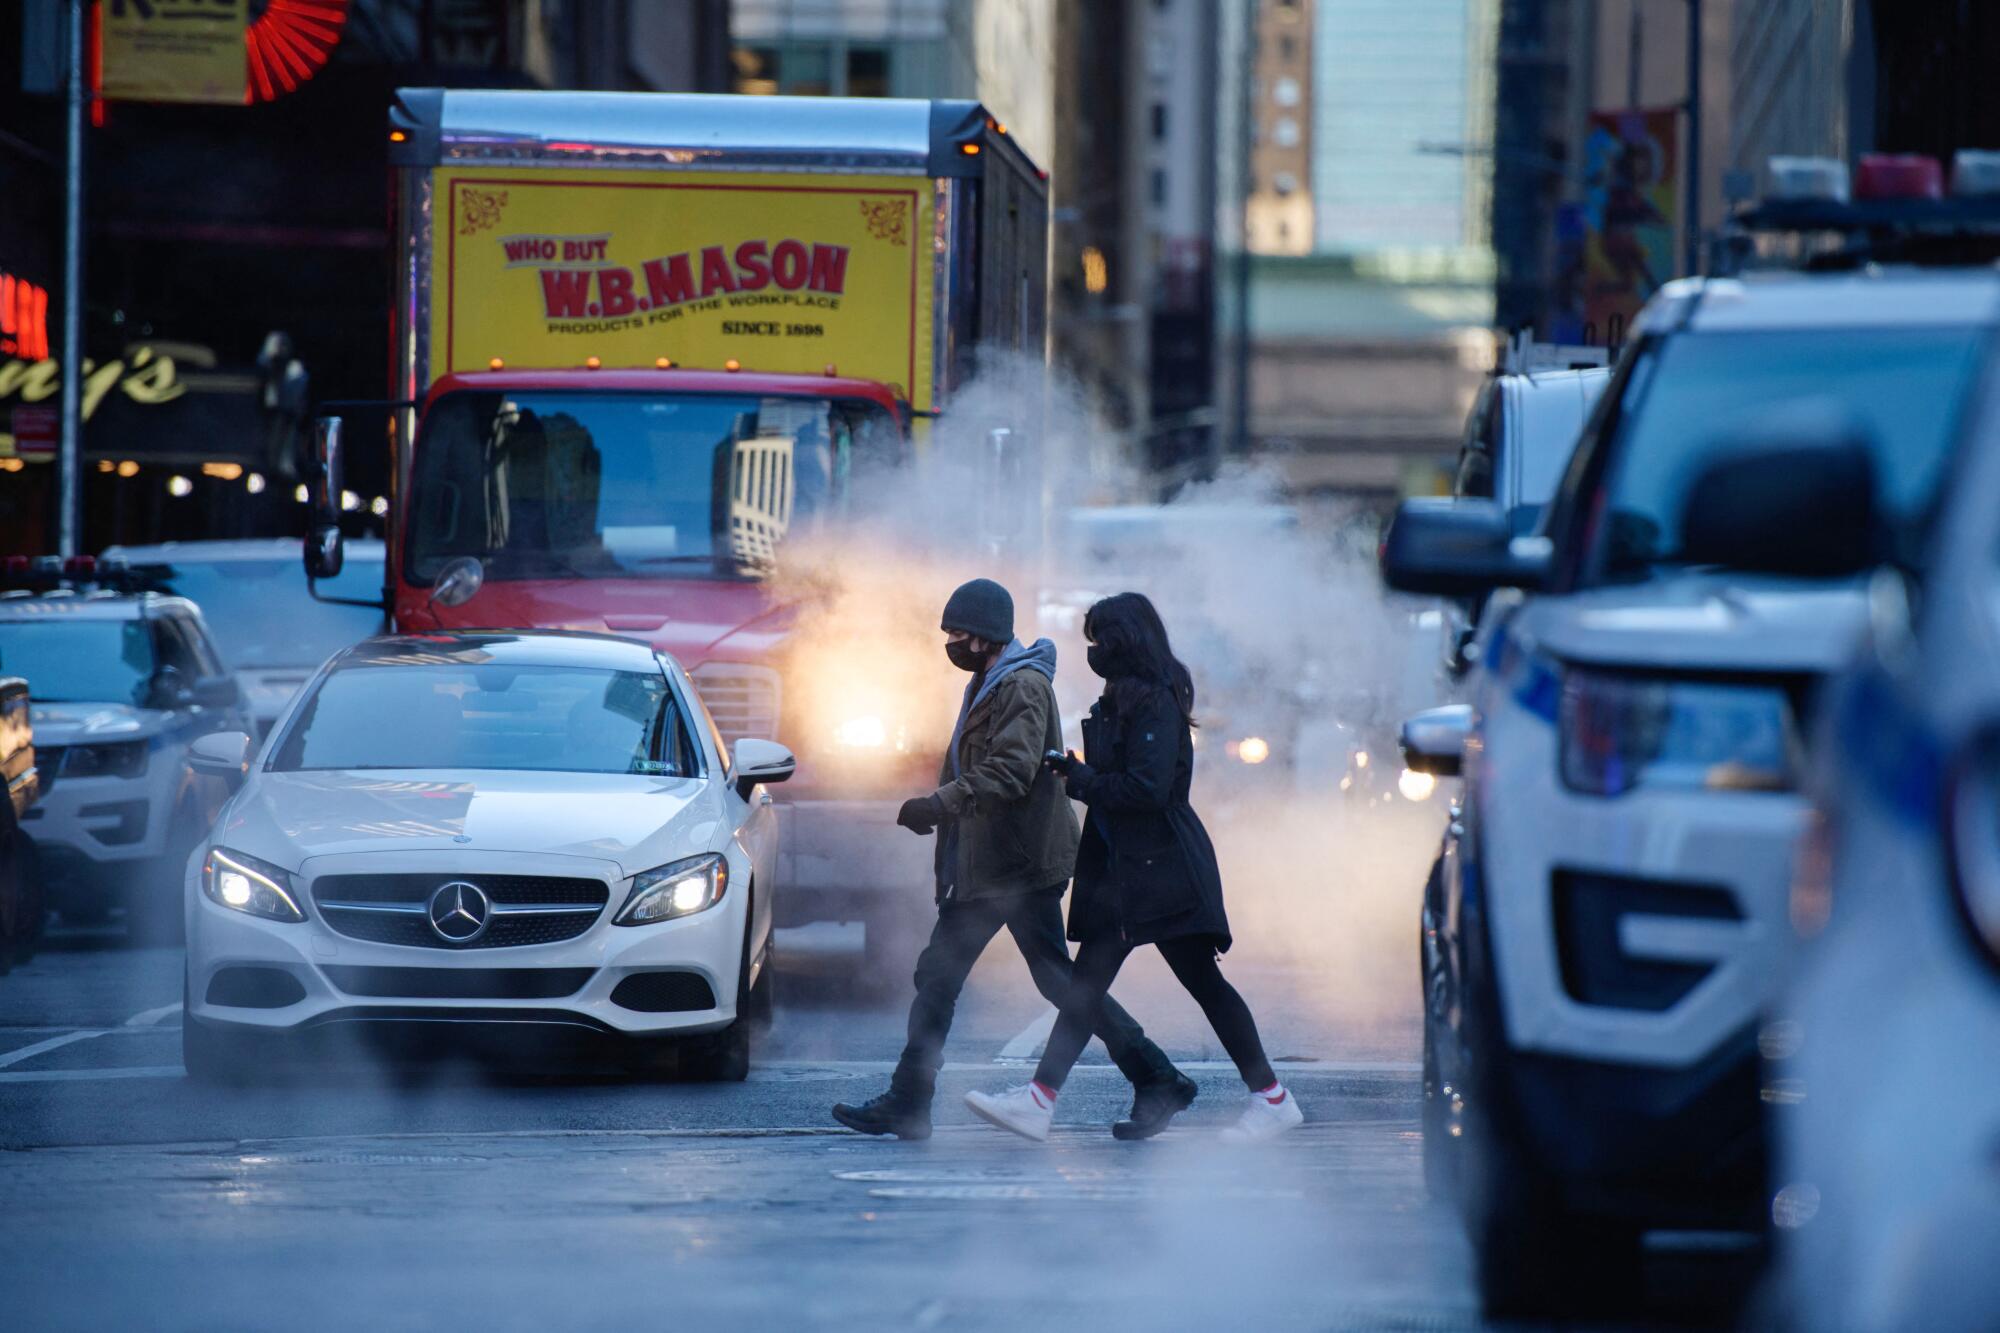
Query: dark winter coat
point(1008, 829)
point(1145, 869)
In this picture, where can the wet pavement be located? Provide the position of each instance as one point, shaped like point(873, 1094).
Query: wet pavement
point(450, 1197)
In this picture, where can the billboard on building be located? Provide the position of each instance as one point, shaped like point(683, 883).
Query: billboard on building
point(174, 50)
point(1628, 223)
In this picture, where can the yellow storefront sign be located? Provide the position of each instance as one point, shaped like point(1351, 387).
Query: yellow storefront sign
point(779, 273)
point(174, 50)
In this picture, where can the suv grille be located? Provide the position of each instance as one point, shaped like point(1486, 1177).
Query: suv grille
point(527, 909)
point(743, 699)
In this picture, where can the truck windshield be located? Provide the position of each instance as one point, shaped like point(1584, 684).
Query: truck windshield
point(1907, 386)
point(540, 485)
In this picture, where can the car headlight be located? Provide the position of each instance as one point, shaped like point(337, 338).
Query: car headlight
point(1416, 786)
point(681, 889)
point(245, 884)
point(1620, 732)
point(126, 759)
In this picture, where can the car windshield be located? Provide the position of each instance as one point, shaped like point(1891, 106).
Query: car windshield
point(596, 485)
point(262, 616)
point(70, 659)
point(1907, 386)
point(394, 713)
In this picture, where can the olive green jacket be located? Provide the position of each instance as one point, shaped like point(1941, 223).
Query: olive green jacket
point(1009, 829)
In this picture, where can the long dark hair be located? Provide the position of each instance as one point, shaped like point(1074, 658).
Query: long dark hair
point(1131, 633)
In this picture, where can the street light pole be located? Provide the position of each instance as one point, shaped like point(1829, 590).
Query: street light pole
point(70, 459)
point(1693, 220)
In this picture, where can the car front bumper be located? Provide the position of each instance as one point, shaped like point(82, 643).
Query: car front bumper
point(335, 978)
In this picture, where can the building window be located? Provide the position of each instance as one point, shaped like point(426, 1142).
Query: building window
point(1288, 48)
point(1284, 183)
point(1159, 120)
point(1285, 133)
point(867, 71)
point(1285, 92)
point(1159, 182)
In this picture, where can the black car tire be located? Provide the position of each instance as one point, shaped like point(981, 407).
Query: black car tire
point(763, 1000)
point(210, 1056)
point(1440, 1148)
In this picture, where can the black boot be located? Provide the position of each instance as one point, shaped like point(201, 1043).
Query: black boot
point(1154, 1104)
point(904, 1110)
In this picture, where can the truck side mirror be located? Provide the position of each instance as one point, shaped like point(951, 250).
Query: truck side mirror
point(324, 553)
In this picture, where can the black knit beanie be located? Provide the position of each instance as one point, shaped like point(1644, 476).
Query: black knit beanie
point(981, 607)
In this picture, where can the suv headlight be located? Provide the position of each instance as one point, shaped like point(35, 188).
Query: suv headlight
point(1619, 732)
point(680, 889)
point(245, 884)
point(126, 759)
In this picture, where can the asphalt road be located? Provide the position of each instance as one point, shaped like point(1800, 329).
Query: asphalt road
point(448, 1197)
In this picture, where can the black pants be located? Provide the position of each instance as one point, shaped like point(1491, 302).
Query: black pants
point(1193, 962)
point(963, 931)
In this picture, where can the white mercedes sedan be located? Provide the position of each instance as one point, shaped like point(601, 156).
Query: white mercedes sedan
point(521, 835)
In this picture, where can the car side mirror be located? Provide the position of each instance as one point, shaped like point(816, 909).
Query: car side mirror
point(1458, 548)
point(222, 754)
point(324, 551)
point(760, 761)
point(1794, 494)
point(216, 692)
point(168, 689)
point(1433, 741)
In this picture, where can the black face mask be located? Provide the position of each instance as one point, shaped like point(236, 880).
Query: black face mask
point(1106, 662)
point(961, 655)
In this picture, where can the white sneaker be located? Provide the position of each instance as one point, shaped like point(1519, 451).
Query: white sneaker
point(1026, 1110)
point(1270, 1113)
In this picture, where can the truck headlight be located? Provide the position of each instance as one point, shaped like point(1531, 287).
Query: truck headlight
point(245, 884)
point(680, 889)
point(1619, 732)
point(126, 759)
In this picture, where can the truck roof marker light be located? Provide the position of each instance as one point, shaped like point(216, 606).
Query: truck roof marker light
point(592, 363)
point(399, 136)
point(663, 363)
point(969, 149)
point(732, 365)
point(831, 370)
point(496, 364)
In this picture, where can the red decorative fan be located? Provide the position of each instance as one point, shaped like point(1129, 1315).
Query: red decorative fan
point(289, 43)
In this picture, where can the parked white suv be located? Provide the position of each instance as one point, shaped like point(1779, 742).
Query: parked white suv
point(1606, 921)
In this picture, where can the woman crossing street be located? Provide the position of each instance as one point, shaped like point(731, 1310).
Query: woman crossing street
point(1145, 874)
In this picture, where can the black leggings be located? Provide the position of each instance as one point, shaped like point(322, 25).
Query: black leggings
point(1193, 960)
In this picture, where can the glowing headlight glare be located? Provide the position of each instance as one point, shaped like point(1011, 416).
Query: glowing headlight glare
point(1416, 786)
point(234, 886)
point(1361, 758)
point(1253, 749)
point(862, 733)
point(689, 893)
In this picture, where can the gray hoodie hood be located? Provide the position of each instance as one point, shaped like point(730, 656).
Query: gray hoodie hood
point(1037, 656)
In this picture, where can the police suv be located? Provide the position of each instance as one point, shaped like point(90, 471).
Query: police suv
point(121, 684)
point(1606, 921)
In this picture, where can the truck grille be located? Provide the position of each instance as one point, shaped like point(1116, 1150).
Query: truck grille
point(527, 909)
point(742, 699)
